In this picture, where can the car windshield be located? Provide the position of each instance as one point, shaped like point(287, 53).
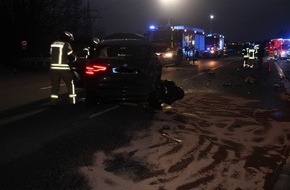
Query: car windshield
point(119, 52)
point(159, 36)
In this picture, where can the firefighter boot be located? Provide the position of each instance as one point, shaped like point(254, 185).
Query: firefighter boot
point(53, 102)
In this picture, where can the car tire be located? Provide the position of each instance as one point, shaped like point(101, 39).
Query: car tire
point(91, 100)
point(154, 100)
point(155, 104)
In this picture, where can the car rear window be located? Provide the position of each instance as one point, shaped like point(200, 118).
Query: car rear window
point(117, 52)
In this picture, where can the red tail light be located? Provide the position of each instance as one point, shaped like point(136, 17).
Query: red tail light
point(92, 69)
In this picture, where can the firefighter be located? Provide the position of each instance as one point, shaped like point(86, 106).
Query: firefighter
point(61, 54)
point(253, 50)
point(196, 57)
point(275, 54)
point(245, 52)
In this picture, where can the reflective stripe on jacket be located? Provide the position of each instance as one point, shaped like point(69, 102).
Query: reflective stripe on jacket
point(245, 52)
point(59, 55)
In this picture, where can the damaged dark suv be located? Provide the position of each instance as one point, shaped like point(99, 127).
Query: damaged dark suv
point(123, 67)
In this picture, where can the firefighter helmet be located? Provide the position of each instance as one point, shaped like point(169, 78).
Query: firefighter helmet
point(96, 41)
point(66, 36)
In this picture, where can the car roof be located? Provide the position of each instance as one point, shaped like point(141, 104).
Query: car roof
point(125, 39)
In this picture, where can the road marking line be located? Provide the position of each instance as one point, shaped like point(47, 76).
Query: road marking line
point(280, 71)
point(104, 111)
point(200, 73)
point(48, 87)
point(285, 81)
point(21, 116)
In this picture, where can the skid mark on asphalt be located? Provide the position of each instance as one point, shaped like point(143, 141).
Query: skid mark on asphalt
point(206, 141)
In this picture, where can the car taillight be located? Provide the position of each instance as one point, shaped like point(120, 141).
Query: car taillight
point(92, 69)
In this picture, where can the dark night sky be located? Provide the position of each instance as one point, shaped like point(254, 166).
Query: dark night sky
point(238, 20)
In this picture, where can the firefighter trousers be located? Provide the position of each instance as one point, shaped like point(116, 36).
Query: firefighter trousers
point(56, 76)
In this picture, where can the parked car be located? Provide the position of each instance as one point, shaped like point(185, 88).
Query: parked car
point(123, 67)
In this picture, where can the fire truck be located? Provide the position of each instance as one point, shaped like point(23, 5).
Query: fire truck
point(177, 43)
point(278, 47)
point(214, 45)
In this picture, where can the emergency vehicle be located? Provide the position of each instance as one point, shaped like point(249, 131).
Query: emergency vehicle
point(177, 43)
point(214, 45)
point(277, 48)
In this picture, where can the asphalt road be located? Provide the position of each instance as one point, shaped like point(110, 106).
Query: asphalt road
point(43, 148)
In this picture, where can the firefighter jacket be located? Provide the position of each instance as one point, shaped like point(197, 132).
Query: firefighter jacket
point(253, 53)
point(60, 55)
point(245, 52)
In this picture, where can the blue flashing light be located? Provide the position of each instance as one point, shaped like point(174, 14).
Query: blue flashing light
point(152, 27)
point(188, 28)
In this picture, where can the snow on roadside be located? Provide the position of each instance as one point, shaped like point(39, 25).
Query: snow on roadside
point(204, 141)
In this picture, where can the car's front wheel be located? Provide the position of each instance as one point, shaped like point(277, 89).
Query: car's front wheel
point(154, 102)
point(156, 97)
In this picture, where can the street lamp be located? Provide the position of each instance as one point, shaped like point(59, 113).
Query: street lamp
point(211, 17)
point(168, 2)
point(168, 5)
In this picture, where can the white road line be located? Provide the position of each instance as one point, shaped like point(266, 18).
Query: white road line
point(200, 74)
point(21, 116)
point(48, 87)
point(280, 71)
point(104, 111)
point(285, 81)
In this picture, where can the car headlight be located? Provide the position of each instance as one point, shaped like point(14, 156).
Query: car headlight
point(168, 55)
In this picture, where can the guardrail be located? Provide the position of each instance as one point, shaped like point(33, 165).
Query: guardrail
point(33, 63)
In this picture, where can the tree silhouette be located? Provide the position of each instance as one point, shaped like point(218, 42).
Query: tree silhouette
point(37, 22)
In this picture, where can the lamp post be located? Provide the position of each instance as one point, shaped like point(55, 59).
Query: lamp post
point(211, 17)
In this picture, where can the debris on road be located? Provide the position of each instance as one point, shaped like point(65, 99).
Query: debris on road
point(250, 79)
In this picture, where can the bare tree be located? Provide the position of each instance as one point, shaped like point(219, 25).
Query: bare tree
point(37, 21)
